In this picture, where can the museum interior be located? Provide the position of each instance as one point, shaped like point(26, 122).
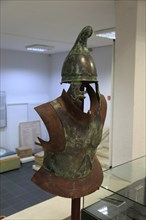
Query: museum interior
point(30, 77)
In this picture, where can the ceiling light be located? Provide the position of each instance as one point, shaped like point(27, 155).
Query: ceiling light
point(39, 48)
point(109, 33)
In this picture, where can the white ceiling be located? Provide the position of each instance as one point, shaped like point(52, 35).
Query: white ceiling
point(54, 23)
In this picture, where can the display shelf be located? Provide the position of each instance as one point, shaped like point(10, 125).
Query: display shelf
point(123, 194)
point(114, 207)
point(128, 180)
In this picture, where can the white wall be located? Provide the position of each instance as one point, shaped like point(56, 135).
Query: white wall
point(123, 83)
point(103, 59)
point(128, 131)
point(139, 123)
point(25, 78)
point(56, 87)
point(31, 79)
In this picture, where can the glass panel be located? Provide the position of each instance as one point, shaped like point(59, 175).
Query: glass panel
point(128, 180)
point(121, 196)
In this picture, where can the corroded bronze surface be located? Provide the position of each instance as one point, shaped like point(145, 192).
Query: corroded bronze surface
point(70, 167)
point(79, 64)
point(79, 134)
point(67, 187)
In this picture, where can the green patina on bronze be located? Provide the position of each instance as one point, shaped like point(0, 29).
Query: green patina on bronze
point(82, 132)
point(76, 93)
point(79, 64)
point(70, 167)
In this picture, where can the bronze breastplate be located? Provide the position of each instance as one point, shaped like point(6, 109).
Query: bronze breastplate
point(70, 167)
point(82, 138)
point(82, 134)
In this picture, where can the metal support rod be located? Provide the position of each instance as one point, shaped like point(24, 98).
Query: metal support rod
point(75, 205)
point(75, 209)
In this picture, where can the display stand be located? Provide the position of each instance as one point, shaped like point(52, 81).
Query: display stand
point(75, 209)
point(75, 204)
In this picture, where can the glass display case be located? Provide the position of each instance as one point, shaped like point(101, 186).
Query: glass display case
point(122, 195)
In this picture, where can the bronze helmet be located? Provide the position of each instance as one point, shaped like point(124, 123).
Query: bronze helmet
point(79, 64)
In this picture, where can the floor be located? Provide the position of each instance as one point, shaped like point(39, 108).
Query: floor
point(18, 182)
point(17, 192)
